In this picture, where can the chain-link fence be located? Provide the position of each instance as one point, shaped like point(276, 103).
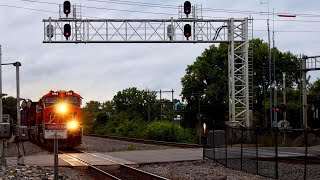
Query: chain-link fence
point(281, 154)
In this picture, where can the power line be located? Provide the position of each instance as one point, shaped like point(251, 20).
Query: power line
point(135, 11)
point(103, 8)
point(33, 9)
point(39, 10)
point(302, 31)
point(203, 9)
point(135, 3)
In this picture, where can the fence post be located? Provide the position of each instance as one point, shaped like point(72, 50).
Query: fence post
point(213, 145)
point(241, 147)
point(306, 152)
point(231, 141)
point(257, 149)
point(226, 144)
point(203, 148)
point(276, 149)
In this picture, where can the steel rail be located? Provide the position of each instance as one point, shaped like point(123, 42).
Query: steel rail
point(124, 169)
point(99, 171)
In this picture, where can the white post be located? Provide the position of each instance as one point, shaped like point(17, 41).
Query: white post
point(20, 159)
point(2, 142)
point(1, 108)
point(304, 91)
point(284, 95)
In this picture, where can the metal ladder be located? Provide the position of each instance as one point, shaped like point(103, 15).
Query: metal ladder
point(198, 15)
point(78, 24)
point(250, 63)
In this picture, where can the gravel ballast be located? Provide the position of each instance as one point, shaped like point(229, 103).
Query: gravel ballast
point(202, 169)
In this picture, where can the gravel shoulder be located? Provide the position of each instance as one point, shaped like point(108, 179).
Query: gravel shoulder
point(203, 169)
point(97, 144)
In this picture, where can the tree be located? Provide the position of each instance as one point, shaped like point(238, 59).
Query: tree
point(314, 103)
point(108, 107)
point(133, 101)
point(285, 62)
point(208, 76)
point(9, 105)
point(89, 115)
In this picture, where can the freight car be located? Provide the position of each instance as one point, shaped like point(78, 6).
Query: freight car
point(55, 107)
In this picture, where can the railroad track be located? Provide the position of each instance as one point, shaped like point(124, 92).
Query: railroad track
point(144, 141)
point(116, 171)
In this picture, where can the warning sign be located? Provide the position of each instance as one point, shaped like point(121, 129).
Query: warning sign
point(55, 131)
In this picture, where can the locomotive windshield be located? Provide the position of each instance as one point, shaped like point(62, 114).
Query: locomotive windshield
point(72, 100)
point(51, 101)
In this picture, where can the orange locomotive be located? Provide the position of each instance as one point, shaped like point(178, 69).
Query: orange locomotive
point(56, 107)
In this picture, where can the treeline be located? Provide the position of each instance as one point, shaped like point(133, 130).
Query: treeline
point(136, 113)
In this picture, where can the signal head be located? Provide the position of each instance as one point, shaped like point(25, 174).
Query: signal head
point(67, 31)
point(187, 7)
point(67, 7)
point(187, 30)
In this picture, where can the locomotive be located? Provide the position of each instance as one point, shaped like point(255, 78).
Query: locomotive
point(54, 108)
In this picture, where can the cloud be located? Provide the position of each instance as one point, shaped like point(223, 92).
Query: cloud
point(99, 71)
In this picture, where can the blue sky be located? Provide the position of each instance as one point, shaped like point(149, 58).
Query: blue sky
point(99, 71)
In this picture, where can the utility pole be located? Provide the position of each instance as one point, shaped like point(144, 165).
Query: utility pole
point(304, 91)
point(275, 120)
point(160, 106)
point(199, 118)
point(148, 105)
point(1, 108)
point(284, 95)
point(270, 79)
point(2, 141)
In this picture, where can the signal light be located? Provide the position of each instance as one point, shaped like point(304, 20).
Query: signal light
point(67, 31)
point(67, 7)
point(277, 109)
point(187, 8)
point(281, 107)
point(187, 31)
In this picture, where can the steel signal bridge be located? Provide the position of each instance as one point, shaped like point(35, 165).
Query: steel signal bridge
point(234, 32)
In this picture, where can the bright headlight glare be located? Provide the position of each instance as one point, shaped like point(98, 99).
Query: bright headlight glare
point(73, 125)
point(62, 108)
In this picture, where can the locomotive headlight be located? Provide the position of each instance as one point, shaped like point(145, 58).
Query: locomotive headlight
point(72, 125)
point(62, 108)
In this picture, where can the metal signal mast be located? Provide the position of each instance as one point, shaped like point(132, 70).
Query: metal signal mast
point(185, 29)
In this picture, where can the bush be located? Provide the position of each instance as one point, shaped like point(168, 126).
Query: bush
point(120, 125)
point(167, 131)
point(133, 129)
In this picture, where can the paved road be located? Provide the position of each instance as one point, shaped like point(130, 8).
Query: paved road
point(263, 152)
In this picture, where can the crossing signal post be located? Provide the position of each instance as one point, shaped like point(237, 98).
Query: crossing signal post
point(67, 8)
point(187, 31)
point(67, 31)
point(283, 107)
point(187, 8)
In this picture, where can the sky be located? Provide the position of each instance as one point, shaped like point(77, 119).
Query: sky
point(98, 71)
